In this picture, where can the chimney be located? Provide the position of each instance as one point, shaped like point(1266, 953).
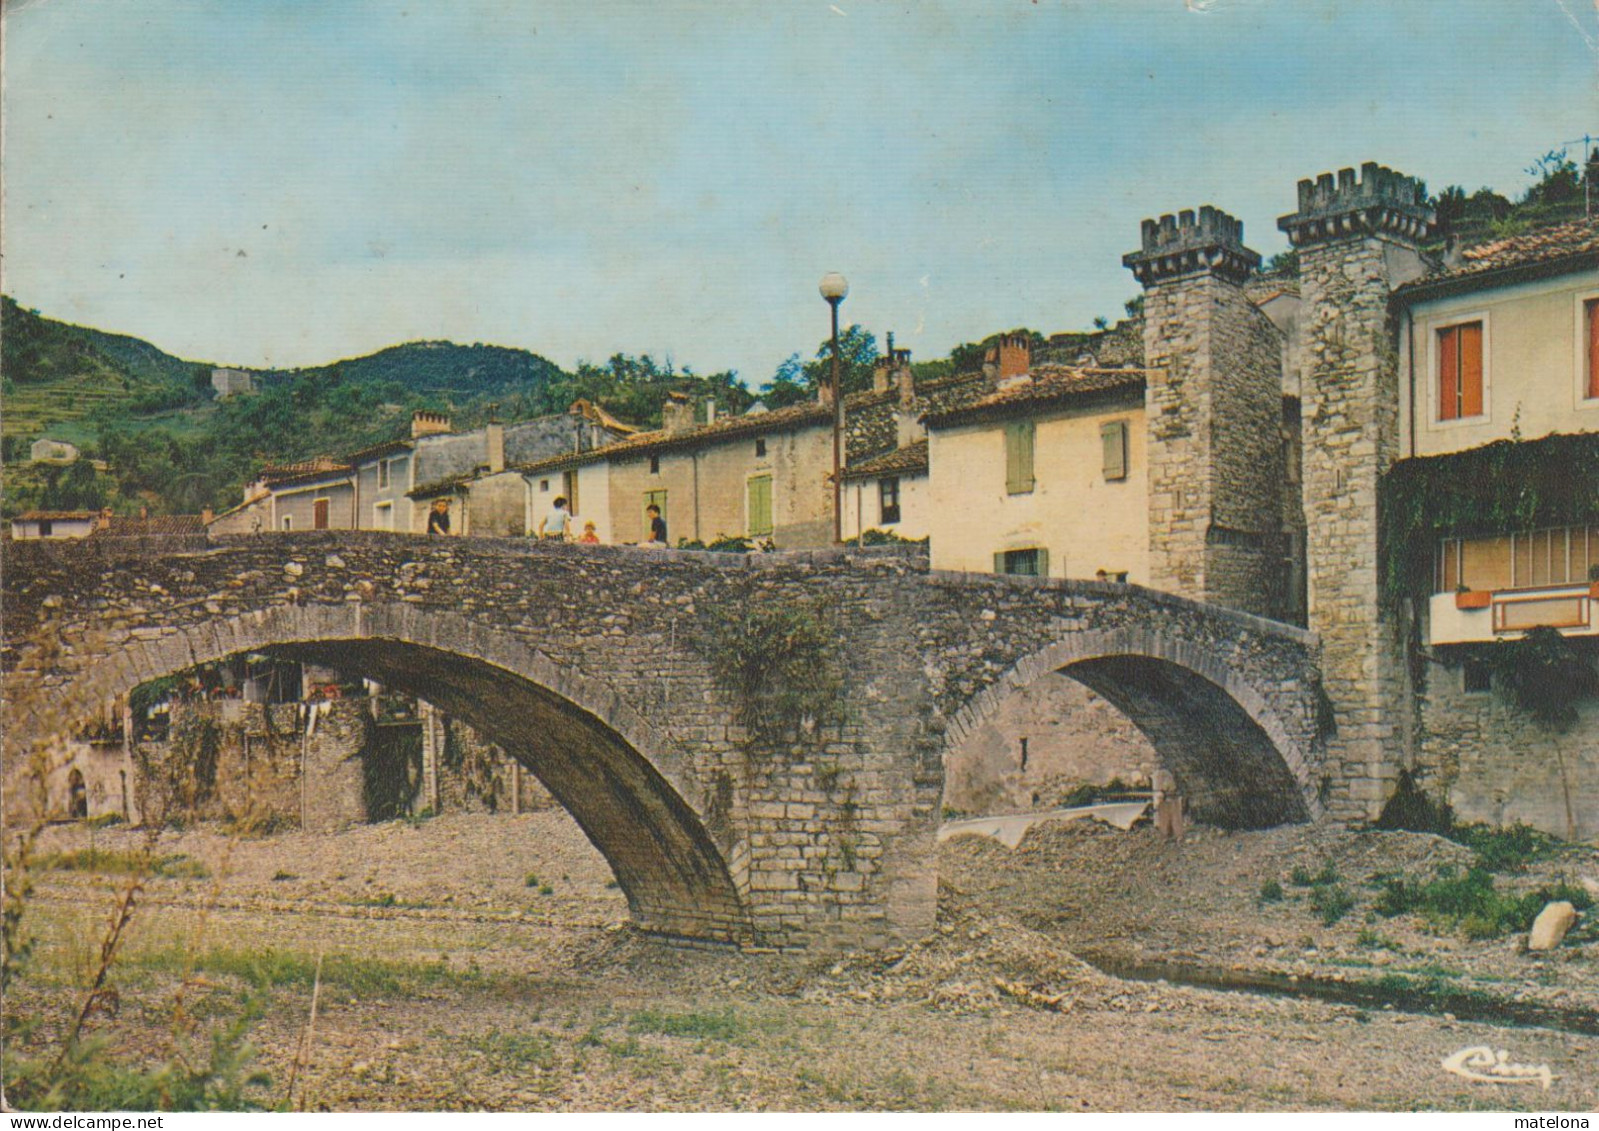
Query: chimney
point(903, 377)
point(144, 512)
point(206, 515)
point(494, 435)
point(710, 410)
point(105, 518)
point(1015, 354)
point(677, 414)
point(882, 374)
point(425, 423)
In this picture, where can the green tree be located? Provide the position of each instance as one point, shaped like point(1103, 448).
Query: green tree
point(796, 381)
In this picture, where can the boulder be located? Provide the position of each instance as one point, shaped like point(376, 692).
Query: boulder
point(1551, 926)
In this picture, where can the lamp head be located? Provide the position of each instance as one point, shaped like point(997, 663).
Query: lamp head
point(834, 287)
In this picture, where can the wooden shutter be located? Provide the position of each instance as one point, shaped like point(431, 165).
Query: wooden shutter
point(760, 505)
point(1593, 348)
point(999, 561)
point(1019, 457)
point(1471, 369)
point(1449, 373)
point(1113, 442)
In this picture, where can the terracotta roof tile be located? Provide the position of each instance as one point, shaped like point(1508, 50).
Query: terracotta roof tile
point(730, 427)
point(1051, 385)
point(901, 461)
point(159, 525)
point(1560, 247)
point(56, 516)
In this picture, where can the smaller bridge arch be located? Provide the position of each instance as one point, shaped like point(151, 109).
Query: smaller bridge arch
point(1236, 762)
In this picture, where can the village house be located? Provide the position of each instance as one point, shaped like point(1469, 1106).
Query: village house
point(54, 524)
point(1045, 476)
point(53, 451)
point(232, 383)
point(1499, 400)
point(390, 485)
point(764, 476)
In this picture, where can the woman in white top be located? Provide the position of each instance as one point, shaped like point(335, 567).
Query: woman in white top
point(558, 523)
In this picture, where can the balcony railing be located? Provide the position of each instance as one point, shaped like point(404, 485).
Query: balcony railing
point(1504, 614)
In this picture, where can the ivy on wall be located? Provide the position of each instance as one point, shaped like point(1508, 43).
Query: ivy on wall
point(1503, 487)
point(781, 661)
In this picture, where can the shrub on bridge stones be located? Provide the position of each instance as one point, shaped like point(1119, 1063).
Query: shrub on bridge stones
point(780, 661)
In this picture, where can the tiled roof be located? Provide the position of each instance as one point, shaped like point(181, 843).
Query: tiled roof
point(587, 408)
point(901, 461)
point(727, 428)
point(1558, 248)
point(378, 450)
point(450, 482)
point(56, 516)
point(282, 474)
point(154, 526)
point(1050, 386)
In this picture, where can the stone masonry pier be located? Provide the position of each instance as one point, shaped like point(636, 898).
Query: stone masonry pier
point(594, 667)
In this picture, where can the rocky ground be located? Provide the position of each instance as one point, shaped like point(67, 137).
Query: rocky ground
point(484, 962)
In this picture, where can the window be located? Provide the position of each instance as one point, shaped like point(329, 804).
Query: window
point(46, 528)
point(544, 484)
point(1019, 457)
point(1591, 353)
point(383, 516)
point(760, 505)
point(888, 499)
point(655, 465)
point(1023, 563)
point(760, 447)
point(1460, 371)
point(383, 474)
point(1113, 443)
point(1561, 555)
point(288, 522)
point(569, 489)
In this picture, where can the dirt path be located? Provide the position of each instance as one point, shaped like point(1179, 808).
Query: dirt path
point(451, 981)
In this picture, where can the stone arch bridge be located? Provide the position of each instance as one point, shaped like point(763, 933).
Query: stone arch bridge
point(596, 668)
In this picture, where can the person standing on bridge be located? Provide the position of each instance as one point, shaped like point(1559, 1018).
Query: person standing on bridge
point(439, 517)
point(558, 523)
point(657, 526)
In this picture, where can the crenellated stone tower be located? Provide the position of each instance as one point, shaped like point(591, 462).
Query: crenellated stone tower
point(1357, 241)
point(1214, 416)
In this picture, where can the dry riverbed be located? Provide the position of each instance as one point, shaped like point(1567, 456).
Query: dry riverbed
point(484, 962)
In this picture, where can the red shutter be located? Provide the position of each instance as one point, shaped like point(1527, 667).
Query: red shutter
point(1448, 373)
point(1593, 348)
point(1471, 369)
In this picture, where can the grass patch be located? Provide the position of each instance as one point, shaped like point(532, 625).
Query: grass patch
point(1331, 902)
point(721, 1025)
point(1472, 903)
point(280, 876)
point(1270, 892)
point(510, 1052)
point(355, 974)
point(107, 862)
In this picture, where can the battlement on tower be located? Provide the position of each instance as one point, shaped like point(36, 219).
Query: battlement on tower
point(1380, 202)
point(1211, 242)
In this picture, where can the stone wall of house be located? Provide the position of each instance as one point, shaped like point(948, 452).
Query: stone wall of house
point(1046, 740)
point(1494, 763)
point(1352, 255)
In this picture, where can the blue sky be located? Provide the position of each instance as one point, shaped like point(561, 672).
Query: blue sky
point(286, 182)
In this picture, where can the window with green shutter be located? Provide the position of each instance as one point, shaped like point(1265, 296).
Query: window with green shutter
point(1019, 457)
point(1032, 562)
point(1113, 441)
point(760, 505)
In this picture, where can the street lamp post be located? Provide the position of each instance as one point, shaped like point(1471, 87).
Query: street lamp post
point(833, 288)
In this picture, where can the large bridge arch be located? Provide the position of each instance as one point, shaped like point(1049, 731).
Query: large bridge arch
point(632, 790)
point(1237, 763)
